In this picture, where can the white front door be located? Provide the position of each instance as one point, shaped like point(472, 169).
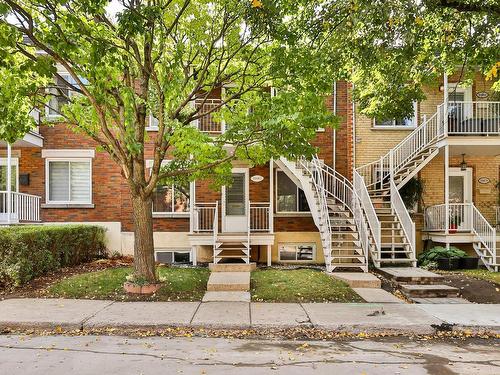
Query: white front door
point(460, 191)
point(235, 203)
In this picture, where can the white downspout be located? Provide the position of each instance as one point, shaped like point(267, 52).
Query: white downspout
point(9, 179)
point(445, 101)
point(447, 192)
point(353, 132)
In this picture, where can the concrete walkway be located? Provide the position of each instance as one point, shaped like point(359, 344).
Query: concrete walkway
point(346, 317)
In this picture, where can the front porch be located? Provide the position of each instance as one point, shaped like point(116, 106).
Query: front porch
point(15, 206)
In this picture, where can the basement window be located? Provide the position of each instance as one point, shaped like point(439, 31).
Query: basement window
point(297, 252)
point(173, 256)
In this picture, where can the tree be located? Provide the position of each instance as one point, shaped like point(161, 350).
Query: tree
point(159, 56)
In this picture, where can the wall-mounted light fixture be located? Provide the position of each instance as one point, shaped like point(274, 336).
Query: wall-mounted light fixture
point(463, 164)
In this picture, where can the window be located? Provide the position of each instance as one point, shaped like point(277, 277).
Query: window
point(171, 199)
point(61, 93)
point(69, 181)
point(297, 252)
point(173, 256)
point(14, 174)
point(235, 195)
point(152, 123)
point(406, 122)
point(289, 197)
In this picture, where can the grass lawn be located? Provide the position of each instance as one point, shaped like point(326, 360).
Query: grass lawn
point(483, 275)
point(300, 285)
point(180, 284)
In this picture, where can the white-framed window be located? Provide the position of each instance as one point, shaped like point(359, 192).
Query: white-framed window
point(68, 180)
point(173, 199)
point(152, 123)
point(289, 197)
point(297, 252)
point(61, 93)
point(172, 256)
point(14, 165)
point(401, 123)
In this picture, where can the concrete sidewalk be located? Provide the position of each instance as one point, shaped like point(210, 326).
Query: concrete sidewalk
point(342, 317)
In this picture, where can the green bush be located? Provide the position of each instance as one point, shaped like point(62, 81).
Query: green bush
point(437, 252)
point(30, 251)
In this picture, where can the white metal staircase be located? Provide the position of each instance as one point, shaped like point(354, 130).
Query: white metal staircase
point(336, 211)
point(384, 177)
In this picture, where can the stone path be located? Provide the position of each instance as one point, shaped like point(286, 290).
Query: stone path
point(346, 317)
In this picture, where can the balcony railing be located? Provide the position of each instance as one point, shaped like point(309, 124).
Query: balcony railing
point(473, 118)
point(205, 216)
point(23, 207)
point(207, 123)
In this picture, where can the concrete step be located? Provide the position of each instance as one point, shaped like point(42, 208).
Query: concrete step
point(358, 279)
point(440, 301)
point(411, 275)
point(229, 281)
point(429, 291)
point(212, 296)
point(232, 267)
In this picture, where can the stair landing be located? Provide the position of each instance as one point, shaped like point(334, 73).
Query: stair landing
point(229, 281)
point(413, 275)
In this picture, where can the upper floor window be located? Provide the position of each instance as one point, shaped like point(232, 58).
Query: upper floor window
point(289, 197)
point(402, 122)
point(69, 181)
point(61, 93)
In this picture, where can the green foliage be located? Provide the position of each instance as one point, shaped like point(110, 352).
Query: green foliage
point(437, 252)
point(30, 251)
point(412, 192)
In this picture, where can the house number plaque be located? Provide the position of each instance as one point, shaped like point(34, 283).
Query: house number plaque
point(483, 180)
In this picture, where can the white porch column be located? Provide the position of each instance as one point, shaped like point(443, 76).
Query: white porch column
point(9, 179)
point(194, 255)
point(445, 101)
point(271, 196)
point(447, 191)
point(269, 255)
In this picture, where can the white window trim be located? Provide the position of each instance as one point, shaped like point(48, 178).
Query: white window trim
point(13, 162)
point(287, 213)
point(399, 127)
point(67, 77)
point(150, 128)
point(68, 153)
point(69, 204)
point(313, 244)
point(160, 214)
point(174, 250)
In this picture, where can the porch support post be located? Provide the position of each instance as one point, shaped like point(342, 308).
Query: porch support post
point(447, 192)
point(271, 196)
point(192, 203)
point(445, 101)
point(9, 181)
point(269, 255)
point(194, 255)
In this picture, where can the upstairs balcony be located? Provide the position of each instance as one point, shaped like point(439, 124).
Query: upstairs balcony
point(473, 118)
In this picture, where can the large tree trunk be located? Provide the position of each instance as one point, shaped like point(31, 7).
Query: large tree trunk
point(144, 262)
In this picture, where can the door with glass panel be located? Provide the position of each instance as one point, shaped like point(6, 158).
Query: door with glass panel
point(460, 191)
point(235, 203)
point(3, 187)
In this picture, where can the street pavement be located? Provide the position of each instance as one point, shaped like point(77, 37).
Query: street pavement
point(82, 355)
point(343, 317)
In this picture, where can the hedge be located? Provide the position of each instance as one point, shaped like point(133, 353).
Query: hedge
point(30, 251)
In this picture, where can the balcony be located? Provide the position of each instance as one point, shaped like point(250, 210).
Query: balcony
point(24, 208)
point(208, 124)
point(473, 118)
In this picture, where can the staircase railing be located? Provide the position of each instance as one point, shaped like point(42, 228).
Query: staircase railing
point(403, 215)
point(485, 233)
point(377, 174)
point(369, 211)
point(315, 172)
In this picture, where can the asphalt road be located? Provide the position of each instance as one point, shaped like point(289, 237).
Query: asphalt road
point(56, 355)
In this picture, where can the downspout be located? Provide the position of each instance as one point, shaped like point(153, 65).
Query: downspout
point(353, 132)
point(9, 182)
point(335, 130)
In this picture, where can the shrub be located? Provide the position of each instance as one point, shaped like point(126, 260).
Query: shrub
point(30, 251)
point(437, 252)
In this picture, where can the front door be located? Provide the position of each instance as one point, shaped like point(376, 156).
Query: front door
point(460, 192)
point(235, 203)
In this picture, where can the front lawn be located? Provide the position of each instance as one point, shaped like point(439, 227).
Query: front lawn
point(180, 284)
point(299, 285)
